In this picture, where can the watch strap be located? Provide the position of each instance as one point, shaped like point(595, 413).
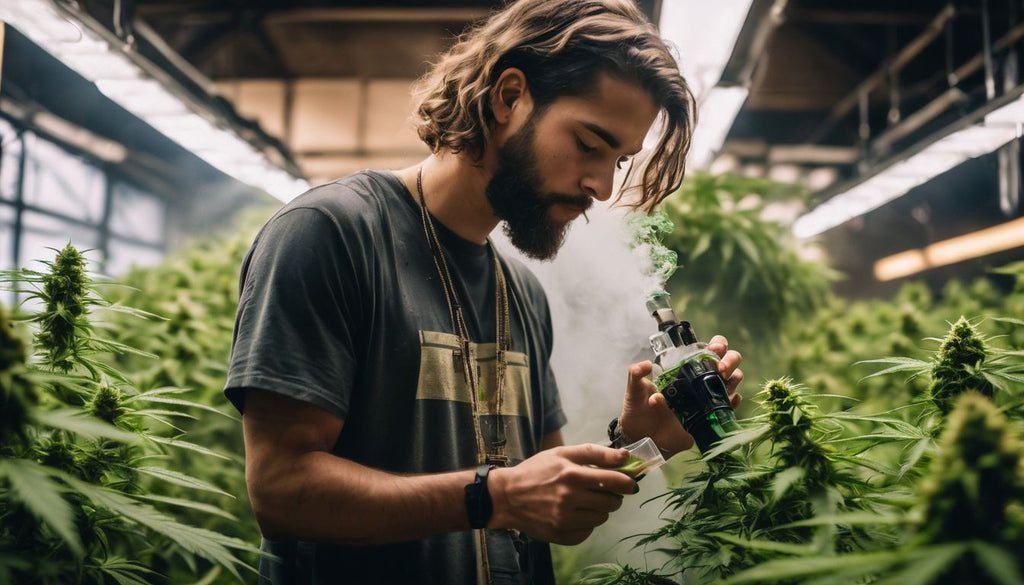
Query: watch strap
point(618, 440)
point(479, 506)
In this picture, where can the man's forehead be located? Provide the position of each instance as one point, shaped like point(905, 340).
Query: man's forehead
point(618, 111)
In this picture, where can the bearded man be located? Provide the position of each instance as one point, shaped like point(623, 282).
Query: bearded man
point(402, 423)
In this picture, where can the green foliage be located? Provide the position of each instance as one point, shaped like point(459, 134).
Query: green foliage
point(649, 233)
point(931, 492)
point(195, 293)
point(957, 366)
point(899, 470)
point(79, 493)
point(976, 476)
point(739, 274)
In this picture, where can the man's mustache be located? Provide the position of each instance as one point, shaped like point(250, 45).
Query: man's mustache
point(583, 202)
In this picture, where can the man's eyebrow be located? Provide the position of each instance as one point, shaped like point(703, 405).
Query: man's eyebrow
point(602, 134)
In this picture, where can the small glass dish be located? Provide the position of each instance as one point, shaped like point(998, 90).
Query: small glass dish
point(644, 456)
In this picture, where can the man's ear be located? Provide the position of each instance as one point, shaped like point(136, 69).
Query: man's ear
point(509, 91)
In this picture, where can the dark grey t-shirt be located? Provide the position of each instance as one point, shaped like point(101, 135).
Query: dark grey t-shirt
point(341, 307)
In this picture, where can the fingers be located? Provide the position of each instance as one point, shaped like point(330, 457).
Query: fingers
point(718, 345)
point(591, 454)
point(729, 367)
point(639, 370)
point(638, 387)
point(735, 399)
point(638, 373)
point(595, 501)
point(571, 538)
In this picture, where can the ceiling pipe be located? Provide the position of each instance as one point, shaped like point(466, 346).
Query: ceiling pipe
point(914, 48)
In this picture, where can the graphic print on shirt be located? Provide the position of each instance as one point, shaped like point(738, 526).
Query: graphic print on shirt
point(442, 377)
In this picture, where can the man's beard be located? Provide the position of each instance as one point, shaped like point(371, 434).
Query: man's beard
point(515, 196)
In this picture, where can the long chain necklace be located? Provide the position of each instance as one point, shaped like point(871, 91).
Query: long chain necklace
point(464, 356)
point(503, 340)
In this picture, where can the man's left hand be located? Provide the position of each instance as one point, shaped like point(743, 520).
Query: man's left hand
point(645, 413)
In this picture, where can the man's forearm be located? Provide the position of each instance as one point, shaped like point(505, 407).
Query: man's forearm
point(321, 497)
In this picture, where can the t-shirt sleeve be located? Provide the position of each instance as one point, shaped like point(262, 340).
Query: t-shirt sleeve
point(298, 317)
point(554, 416)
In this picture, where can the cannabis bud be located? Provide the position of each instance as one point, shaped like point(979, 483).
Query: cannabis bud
point(16, 393)
point(791, 420)
point(954, 371)
point(64, 289)
point(106, 402)
point(976, 486)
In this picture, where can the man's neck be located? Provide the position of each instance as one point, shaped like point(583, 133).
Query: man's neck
point(454, 189)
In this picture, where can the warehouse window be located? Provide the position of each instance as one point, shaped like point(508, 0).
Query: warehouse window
point(10, 159)
point(42, 233)
point(50, 196)
point(59, 182)
point(137, 215)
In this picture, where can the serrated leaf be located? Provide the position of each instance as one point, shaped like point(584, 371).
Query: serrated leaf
point(766, 545)
point(999, 563)
point(602, 574)
point(867, 463)
point(179, 444)
point(165, 412)
point(181, 402)
point(702, 245)
point(32, 485)
point(785, 480)
point(182, 479)
point(900, 364)
point(1009, 320)
point(748, 247)
point(734, 440)
point(191, 504)
point(124, 571)
point(780, 570)
point(117, 308)
point(86, 426)
point(197, 541)
point(847, 519)
point(120, 348)
point(925, 565)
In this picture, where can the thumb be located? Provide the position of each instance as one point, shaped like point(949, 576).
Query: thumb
point(638, 387)
point(592, 454)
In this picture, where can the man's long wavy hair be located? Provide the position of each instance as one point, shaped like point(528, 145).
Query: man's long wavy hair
point(562, 47)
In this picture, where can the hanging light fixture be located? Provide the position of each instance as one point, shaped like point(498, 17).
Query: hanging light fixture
point(148, 93)
point(997, 128)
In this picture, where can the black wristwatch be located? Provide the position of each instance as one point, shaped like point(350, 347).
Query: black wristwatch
point(478, 499)
point(618, 440)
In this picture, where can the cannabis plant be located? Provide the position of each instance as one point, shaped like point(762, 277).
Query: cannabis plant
point(195, 293)
point(930, 493)
point(83, 496)
point(740, 273)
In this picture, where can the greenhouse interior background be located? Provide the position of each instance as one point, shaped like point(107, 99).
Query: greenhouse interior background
point(853, 188)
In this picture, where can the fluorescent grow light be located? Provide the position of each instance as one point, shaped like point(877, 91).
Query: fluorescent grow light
point(717, 113)
point(705, 34)
point(84, 48)
point(1000, 127)
point(1006, 236)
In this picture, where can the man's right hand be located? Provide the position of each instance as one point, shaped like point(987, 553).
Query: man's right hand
point(558, 495)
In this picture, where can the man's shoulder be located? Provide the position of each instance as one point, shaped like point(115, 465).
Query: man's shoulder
point(347, 213)
point(352, 197)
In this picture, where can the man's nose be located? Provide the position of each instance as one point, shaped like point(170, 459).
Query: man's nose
point(597, 183)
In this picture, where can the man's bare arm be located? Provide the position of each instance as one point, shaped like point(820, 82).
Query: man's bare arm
point(299, 490)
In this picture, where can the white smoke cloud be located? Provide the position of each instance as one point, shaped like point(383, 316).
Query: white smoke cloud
point(597, 288)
